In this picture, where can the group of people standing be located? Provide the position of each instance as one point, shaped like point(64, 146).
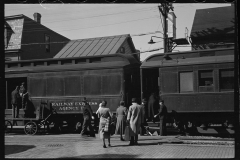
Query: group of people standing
point(135, 117)
point(19, 99)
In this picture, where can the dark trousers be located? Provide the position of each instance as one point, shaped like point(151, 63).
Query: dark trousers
point(163, 129)
point(134, 139)
point(87, 124)
point(142, 130)
point(15, 109)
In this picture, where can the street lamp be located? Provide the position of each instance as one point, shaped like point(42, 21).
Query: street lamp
point(151, 41)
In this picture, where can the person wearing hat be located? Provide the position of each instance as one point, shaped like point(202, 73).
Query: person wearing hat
point(135, 117)
point(144, 108)
point(87, 117)
point(152, 107)
point(25, 100)
point(162, 116)
point(121, 114)
point(16, 102)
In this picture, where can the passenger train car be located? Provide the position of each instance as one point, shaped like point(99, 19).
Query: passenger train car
point(63, 83)
point(197, 86)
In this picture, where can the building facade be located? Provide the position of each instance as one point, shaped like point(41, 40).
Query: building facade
point(27, 39)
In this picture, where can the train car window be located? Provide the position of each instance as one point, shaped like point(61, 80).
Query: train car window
point(55, 86)
point(186, 81)
point(206, 81)
point(169, 82)
point(72, 85)
point(38, 90)
point(92, 85)
point(226, 79)
point(111, 84)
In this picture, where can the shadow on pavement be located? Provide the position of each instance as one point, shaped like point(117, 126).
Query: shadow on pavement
point(105, 156)
point(12, 149)
point(139, 144)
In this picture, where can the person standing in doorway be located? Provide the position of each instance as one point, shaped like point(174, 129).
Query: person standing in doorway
point(162, 116)
point(144, 108)
point(16, 102)
point(87, 117)
point(121, 115)
point(152, 107)
point(24, 94)
point(135, 118)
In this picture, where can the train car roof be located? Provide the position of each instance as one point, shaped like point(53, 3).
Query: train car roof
point(69, 64)
point(189, 58)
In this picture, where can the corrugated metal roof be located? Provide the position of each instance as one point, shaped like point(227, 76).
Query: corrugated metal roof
point(93, 46)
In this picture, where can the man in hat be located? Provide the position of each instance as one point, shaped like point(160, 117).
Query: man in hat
point(162, 116)
point(135, 117)
point(16, 102)
point(87, 117)
point(152, 106)
point(144, 108)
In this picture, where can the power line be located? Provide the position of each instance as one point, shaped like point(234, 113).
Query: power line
point(97, 16)
point(140, 34)
point(40, 29)
point(125, 12)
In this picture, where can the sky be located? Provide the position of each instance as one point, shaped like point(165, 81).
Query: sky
point(80, 21)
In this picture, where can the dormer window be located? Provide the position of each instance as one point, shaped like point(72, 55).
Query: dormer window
point(7, 35)
point(122, 50)
point(47, 43)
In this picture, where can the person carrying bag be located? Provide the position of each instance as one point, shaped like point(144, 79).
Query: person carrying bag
point(127, 134)
point(107, 126)
point(105, 116)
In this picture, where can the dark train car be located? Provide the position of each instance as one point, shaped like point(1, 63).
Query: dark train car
point(197, 86)
point(63, 83)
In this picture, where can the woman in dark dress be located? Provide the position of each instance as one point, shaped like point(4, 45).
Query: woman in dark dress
point(121, 115)
point(105, 115)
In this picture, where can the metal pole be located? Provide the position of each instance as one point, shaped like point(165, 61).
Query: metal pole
point(165, 28)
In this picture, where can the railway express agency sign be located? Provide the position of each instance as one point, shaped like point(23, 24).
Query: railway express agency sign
point(70, 106)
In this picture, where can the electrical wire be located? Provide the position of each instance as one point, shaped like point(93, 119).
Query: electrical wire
point(140, 34)
point(95, 16)
point(40, 29)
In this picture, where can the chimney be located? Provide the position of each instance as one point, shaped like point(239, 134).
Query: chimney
point(37, 17)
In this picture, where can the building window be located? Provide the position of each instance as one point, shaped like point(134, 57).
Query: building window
point(47, 43)
point(226, 79)
point(205, 81)
point(7, 36)
point(186, 81)
point(122, 50)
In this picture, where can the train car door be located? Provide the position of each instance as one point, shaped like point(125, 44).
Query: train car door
point(11, 84)
point(149, 82)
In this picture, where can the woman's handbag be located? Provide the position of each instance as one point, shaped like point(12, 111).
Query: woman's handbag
point(127, 136)
point(106, 127)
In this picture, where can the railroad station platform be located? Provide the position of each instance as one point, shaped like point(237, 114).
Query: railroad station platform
point(74, 146)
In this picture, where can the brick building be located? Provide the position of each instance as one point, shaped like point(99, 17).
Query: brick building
point(26, 39)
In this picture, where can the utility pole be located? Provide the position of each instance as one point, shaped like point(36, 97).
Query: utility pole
point(164, 9)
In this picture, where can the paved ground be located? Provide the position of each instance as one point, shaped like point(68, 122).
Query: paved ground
point(74, 146)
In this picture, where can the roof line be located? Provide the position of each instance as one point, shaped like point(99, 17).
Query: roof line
point(14, 16)
point(127, 35)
